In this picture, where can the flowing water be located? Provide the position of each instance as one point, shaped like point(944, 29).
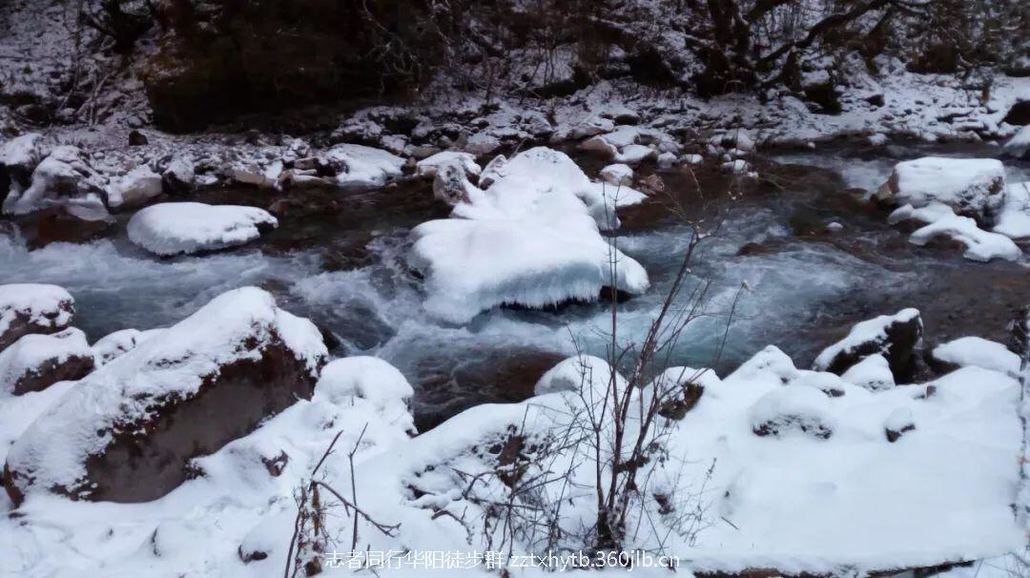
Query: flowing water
point(344, 268)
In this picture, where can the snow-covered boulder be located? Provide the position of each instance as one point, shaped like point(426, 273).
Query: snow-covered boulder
point(135, 188)
point(37, 361)
point(33, 308)
point(451, 184)
point(581, 374)
point(976, 352)
point(1019, 145)
point(872, 373)
point(1014, 217)
point(18, 157)
point(680, 388)
point(899, 422)
point(895, 337)
point(531, 238)
point(972, 187)
point(792, 408)
point(429, 166)
point(63, 178)
point(370, 379)
point(209, 379)
point(173, 228)
point(359, 166)
point(618, 174)
point(980, 245)
point(180, 174)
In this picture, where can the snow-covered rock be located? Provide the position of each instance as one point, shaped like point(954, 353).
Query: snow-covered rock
point(180, 173)
point(63, 178)
point(18, 157)
point(531, 238)
point(370, 379)
point(581, 374)
point(617, 174)
point(135, 188)
point(359, 166)
point(37, 361)
point(792, 408)
point(451, 184)
point(173, 228)
point(118, 343)
point(1019, 145)
point(209, 379)
point(980, 245)
point(972, 187)
point(1014, 217)
point(895, 337)
point(872, 373)
point(33, 308)
point(977, 352)
point(429, 166)
point(899, 422)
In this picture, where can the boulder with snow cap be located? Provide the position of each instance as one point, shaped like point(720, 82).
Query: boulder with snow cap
point(451, 184)
point(209, 379)
point(33, 308)
point(18, 157)
point(135, 188)
point(895, 337)
point(617, 174)
point(37, 361)
point(362, 167)
point(681, 388)
point(872, 373)
point(1019, 145)
point(971, 187)
point(429, 166)
point(172, 228)
point(64, 177)
point(899, 422)
point(792, 409)
point(975, 352)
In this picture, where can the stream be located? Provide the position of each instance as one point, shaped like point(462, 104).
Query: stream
point(344, 269)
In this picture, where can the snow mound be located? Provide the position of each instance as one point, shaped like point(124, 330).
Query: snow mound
point(978, 352)
point(33, 308)
point(792, 408)
point(1014, 218)
point(115, 344)
point(371, 379)
point(360, 166)
point(173, 228)
point(580, 374)
point(980, 245)
point(428, 166)
point(972, 187)
point(531, 238)
point(123, 396)
point(872, 373)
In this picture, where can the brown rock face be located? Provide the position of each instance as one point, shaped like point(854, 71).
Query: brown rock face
point(147, 460)
point(73, 368)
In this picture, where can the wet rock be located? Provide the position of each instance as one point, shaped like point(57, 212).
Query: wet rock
point(137, 139)
point(33, 308)
point(36, 361)
point(1019, 114)
point(895, 337)
point(64, 224)
point(209, 379)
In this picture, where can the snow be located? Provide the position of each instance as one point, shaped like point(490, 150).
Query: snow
point(138, 186)
point(115, 344)
point(868, 331)
point(617, 174)
point(63, 177)
point(971, 186)
point(172, 228)
point(34, 351)
point(22, 151)
point(233, 326)
point(579, 374)
point(430, 165)
point(980, 245)
point(872, 373)
point(942, 221)
point(363, 167)
point(45, 306)
point(978, 352)
point(1014, 217)
point(370, 379)
point(530, 238)
point(793, 409)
